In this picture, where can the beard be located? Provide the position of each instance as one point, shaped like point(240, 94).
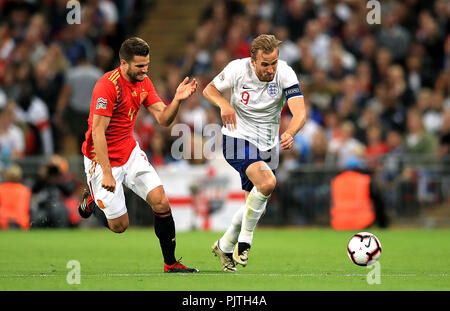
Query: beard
point(265, 77)
point(134, 76)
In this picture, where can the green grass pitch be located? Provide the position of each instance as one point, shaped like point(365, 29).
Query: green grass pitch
point(305, 259)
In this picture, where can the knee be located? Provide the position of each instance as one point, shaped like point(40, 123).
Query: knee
point(160, 204)
point(267, 186)
point(118, 228)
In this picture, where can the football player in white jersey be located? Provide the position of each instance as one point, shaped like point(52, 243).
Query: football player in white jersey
point(260, 85)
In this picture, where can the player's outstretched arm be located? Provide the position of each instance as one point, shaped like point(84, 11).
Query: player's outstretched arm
point(99, 126)
point(212, 94)
point(164, 114)
point(297, 107)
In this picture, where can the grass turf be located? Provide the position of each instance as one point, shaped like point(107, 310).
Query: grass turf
point(281, 259)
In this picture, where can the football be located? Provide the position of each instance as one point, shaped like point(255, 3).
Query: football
point(364, 249)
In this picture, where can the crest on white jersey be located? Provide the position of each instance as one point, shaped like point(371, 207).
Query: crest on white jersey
point(272, 89)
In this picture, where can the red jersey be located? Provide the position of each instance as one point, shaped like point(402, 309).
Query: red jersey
point(119, 99)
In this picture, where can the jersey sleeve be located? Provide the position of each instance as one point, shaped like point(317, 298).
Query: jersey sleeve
point(104, 97)
point(152, 96)
point(225, 79)
point(290, 84)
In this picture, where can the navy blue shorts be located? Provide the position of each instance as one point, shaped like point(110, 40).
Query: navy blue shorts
point(240, 153)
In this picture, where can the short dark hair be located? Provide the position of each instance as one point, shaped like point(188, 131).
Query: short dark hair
point(133, 47)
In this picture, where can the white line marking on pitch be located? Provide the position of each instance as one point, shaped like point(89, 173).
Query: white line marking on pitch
point(43, 275)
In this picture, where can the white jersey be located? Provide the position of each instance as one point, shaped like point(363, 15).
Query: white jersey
point(257, 104)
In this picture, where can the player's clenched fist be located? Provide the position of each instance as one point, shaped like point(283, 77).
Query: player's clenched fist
point(228, 117)
point(108, 182)
point(287, 141)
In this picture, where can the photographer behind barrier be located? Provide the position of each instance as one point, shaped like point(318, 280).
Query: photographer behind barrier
point(49, 191)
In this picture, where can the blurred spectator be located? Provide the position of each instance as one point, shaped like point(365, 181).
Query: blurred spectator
point(75, 44)
point(394, 36)
point(288, 50)
point(383, 61)
point(36, 35)
point(320, 91)
point(417, 140)
point(319, 41)
point(444, 136)
point(443, 154)
point(159, 151)
point(193, 114)
point(74, 101)
point(33, 112)
point(345, 146)
point(331, 125)
point(393, 113)
point(349, 102)
point(104, 57)
point(306, 66)
point(398, 88)
point(368, 50)
point(429, 35)
point(298, 14)
point(364, 79)
point(14, 200)
point(376, 147)
point(49, 76)
point(393, 157)
point(337, 61)
point(319, 149)
point(12, 142)
point(417, 76)
point(433, 117)
point(143, 129)
point(446, 60)
point(7, 45)
point(236, 43)
point(220, 59)
point(369, 118)
point(303, 139)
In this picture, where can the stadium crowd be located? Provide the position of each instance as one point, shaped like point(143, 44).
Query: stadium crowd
point(373, 91)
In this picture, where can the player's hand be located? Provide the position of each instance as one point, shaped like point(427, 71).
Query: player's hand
point(108, 182)
point(228, 117)
point(287, 141)
point(185, 89)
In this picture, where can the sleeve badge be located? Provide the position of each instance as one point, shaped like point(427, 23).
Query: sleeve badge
point(101, 103)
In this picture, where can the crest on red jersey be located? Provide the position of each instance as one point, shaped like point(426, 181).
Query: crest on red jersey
point(143, 97)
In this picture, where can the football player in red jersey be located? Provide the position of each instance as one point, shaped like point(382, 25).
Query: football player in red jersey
point(113, 158)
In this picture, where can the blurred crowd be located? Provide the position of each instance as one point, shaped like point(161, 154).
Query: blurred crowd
point(370, 90)
point(377, 92)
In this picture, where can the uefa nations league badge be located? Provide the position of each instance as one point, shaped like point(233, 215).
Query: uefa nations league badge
point(272, 89)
